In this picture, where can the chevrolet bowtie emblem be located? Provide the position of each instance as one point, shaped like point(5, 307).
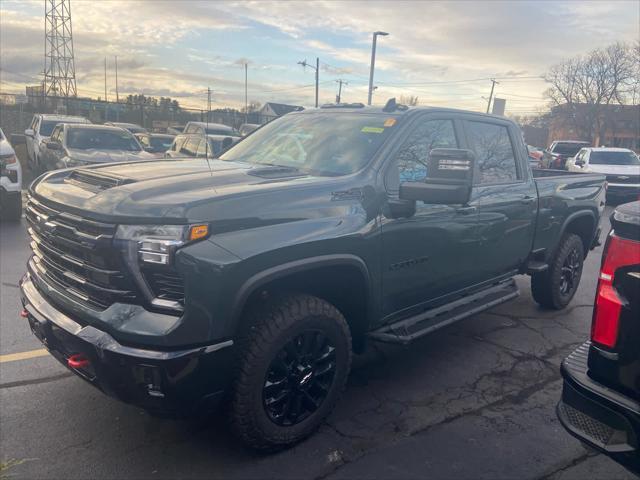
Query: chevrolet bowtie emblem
point(622, 177)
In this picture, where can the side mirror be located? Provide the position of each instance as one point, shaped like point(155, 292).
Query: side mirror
point(17, 139)
point(148, 149)
point(29, 132)
point(54, 146)
point(579, 163)
point(449, 178)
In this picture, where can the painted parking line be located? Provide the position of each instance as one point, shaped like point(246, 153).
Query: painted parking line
point(14, 357)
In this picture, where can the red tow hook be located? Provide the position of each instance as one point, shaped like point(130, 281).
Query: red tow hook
point(24, 313)
point(78, 360)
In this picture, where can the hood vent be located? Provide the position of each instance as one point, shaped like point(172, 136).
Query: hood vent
point(94, 181)
point(276, 171)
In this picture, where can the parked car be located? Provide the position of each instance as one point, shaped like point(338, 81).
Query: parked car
point(197, 145)
point(40, 129)
point(601, 394)
point(254, 276)
point(204, 128)
point(155, 143)
point(247, 128)
point(75, 145)
point(559, 152)
point(10, 181)
point(620, 165)
point(131, 127)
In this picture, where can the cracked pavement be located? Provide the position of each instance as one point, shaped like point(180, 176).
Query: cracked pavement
point(474, 400)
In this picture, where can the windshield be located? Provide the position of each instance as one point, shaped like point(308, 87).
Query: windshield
point(161, 144)
point(319, 143)
point(220, 131)
point(568, 149)
point(47, 126)
point(93, 138)
point(613, 158)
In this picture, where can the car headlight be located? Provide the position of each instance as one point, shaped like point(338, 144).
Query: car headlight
point(149, 252)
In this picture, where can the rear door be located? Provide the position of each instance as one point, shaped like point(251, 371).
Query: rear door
point(505, 196)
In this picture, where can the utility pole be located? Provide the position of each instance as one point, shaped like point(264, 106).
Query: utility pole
point(373, 63)
point(246, 98)
point(340, 83)
point(208, 104)
point(493, 84)
point(117, 96)
point(105, 79)
point(317, 69)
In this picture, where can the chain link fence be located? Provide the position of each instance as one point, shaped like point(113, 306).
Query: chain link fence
point(16, 118)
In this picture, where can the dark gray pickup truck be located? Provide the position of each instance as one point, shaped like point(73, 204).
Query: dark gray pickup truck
point(252, 278)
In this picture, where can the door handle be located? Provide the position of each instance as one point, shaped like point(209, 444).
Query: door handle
point(466, 210)
point(527, 199)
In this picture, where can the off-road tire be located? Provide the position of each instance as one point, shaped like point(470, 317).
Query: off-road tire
point(11, 209)
point(546, 286)
point(272, 326)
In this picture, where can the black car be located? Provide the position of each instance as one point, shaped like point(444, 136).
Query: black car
point(601, 396)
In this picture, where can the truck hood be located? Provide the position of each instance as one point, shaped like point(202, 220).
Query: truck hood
point(176, 190)
point(106, 156)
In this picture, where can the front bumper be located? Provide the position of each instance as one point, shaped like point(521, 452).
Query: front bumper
point(602, 418)
point(175, 382)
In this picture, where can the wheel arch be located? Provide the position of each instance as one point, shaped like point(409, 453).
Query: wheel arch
point(342, 280)
point(583, 224)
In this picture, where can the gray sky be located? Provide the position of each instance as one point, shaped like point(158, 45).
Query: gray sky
point(443, 52)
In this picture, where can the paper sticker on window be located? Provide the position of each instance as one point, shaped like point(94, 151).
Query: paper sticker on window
point(372, 129)
point(389, 122)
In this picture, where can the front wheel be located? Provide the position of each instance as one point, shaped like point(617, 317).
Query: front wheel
point(294, 364)
point(556, 287)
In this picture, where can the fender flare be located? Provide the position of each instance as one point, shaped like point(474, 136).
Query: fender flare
point(571, 218)
point(296, 266)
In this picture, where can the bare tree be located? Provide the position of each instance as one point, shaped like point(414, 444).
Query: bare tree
point(410, 100)
point(584, 86)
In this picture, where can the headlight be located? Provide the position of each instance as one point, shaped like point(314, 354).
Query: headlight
point(149, 252)
point(9, 159)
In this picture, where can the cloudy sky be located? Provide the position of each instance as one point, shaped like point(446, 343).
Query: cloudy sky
point(442, 52)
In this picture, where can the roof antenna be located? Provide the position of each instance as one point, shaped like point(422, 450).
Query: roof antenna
point(206, 131)
point(390, 106)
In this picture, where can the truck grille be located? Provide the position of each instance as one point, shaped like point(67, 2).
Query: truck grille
point(75, 257)
point(631, 179)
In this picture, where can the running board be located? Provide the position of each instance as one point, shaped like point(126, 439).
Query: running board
point(409, 329)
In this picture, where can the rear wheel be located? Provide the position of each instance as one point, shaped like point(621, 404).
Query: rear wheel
point(556, 287)
point(293, 367)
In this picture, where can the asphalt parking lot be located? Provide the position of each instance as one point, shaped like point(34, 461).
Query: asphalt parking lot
point(474, 400)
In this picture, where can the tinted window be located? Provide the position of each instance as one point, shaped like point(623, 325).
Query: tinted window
point(319, 143)
point(568, 149)
point(93, 138)
point(613, 158)
point(494, 152)
point(47, 126)
point(410, 164)
point(159, 144)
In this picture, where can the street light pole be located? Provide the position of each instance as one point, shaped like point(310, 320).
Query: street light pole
point(317, 69)
point(373, 63)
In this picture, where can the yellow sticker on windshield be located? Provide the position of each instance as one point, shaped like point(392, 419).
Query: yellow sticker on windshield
point(372, 129)
point(389, 122)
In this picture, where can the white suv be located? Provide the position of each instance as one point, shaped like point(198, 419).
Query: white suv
point(10, 181)
point(40, 129)
point(620, 165)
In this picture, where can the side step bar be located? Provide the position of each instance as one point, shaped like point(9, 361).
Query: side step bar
point(409, 329)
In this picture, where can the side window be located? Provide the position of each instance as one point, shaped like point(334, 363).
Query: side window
point(204, 150)
point(190, 129)
point(56, 135)
point(410, 163)
point(494, 152)
point(190, 147)
point(36, 125)
point(177, 143)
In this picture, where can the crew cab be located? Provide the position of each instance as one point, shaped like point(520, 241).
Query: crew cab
point(253, 277)
point(601, 395)
point(40, 130)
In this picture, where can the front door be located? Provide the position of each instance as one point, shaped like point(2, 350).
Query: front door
point(429, 252)
point(505, 196)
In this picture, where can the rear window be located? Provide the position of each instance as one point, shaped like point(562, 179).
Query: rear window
point(568, 149)
point(613, 158)
point(161, 144)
